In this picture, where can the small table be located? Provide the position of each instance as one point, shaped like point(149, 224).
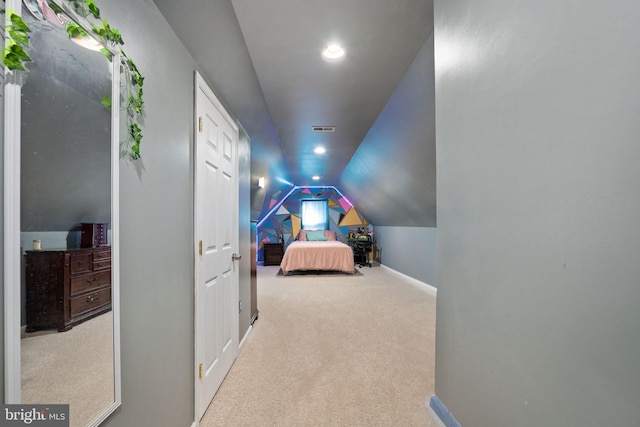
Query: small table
point(273, 253)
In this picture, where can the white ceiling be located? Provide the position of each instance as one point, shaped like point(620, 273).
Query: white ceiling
point(299, 89)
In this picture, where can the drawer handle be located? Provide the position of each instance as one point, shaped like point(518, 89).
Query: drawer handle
point(80, 263)
point(92, 298)
point(90, 281)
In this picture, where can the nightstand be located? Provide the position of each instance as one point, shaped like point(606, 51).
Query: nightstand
point(273, 253)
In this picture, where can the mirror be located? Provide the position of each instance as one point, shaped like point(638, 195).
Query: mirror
point(61, 141)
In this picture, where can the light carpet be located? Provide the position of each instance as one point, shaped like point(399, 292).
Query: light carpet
point(334, 351)
point(73, 367)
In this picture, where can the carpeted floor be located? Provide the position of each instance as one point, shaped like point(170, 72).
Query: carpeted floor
point(333, 351)
point(74, 367)
point(318, 273)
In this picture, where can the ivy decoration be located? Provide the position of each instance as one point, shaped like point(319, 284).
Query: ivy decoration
point(136, 134)
point(106, 101)
point(93, 8)
point(133, 79)
point(14, 54)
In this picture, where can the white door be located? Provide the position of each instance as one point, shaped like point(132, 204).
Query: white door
point(216, 241)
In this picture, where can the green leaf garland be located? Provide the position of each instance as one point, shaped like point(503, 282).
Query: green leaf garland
point(14, 56)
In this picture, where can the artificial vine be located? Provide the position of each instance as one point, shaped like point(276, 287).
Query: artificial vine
point(14, 56)
point(133, 80)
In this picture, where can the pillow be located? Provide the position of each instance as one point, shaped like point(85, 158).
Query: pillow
point(316, 236)
point(302, 235)
point(330, 235)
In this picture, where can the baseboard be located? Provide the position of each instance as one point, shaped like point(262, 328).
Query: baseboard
point(254, 317)
point(426, 286)
point(245, 337)
point(437, 422)
point(442, 412)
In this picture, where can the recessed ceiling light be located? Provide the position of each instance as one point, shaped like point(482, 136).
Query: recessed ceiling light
point(315, 177)
point(319, 150)
point(333, 51)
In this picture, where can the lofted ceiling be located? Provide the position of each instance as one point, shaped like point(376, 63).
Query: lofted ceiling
point(290, 87)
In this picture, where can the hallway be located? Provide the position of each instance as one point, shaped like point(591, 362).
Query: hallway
point(333, 350)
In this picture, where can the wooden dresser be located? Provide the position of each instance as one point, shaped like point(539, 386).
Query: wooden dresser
point(273, 253)
point(67, 286)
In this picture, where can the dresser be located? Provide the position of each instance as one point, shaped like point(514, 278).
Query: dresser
point(273, 253)
point(67, 286)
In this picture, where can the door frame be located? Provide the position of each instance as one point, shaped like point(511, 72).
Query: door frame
point(200, 84)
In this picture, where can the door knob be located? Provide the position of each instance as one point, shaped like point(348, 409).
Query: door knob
point(236, 257)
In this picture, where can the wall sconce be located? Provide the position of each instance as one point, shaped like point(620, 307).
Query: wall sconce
point(261, 182)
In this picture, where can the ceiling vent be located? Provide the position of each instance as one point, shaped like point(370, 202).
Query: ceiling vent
point(323, 128)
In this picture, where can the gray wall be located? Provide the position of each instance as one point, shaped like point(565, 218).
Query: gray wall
point(156, 211)
point(65, 134)
point(392, 176)
point(537, 107)
point(235, 81)
point(244, 218)
point(409, 250)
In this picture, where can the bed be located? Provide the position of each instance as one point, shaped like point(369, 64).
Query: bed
point(317, 254)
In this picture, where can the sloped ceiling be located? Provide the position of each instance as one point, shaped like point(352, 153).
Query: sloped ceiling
point(263, 60)
point(303, 90)
point(392, 175)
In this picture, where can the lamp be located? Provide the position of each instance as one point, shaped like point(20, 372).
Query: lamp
point(261, 182)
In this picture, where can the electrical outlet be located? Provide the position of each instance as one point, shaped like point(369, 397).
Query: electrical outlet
point(240, 306)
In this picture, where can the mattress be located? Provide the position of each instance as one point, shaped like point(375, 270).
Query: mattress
point(318, 255)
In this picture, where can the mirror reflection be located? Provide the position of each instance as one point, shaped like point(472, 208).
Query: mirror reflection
point(66, 317)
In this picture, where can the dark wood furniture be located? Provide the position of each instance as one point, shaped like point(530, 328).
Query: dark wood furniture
point(93, 234)
point(67, 286)
point(273, 253)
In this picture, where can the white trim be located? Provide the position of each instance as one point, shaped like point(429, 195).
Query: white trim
point(115, 227)
point(245, 338)
point(196, 273)
point(429, 288)
point(12, 269)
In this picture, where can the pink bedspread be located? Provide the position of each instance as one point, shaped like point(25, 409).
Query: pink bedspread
point(322, 255)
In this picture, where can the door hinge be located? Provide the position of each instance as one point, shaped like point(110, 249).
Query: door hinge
point(200, 247)
point(200, 369)
point(200, 124)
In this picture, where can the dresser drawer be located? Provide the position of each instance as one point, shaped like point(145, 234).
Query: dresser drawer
point(85, 303)
point(273, 253)
point(80, 263)
point(100, 255)
point(101, 265)
point(90, 281)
